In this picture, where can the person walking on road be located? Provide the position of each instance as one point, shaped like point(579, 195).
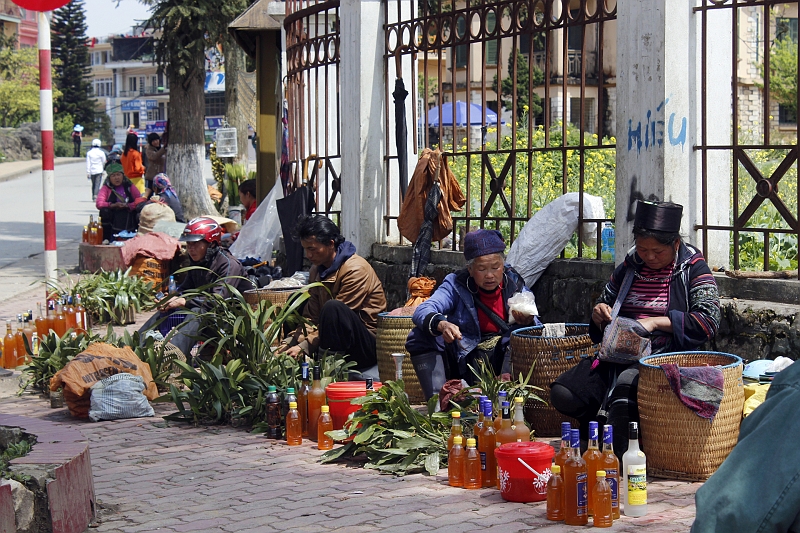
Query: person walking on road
point(77, 138)
point(95, 163)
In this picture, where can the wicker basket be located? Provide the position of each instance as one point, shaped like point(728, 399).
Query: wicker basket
point(277, 297)
point(172, 353)
point(550, 357)
point(678, 443)
point(391, 338)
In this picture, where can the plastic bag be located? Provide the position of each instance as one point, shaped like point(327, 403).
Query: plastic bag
point(119, 396)
point(522, 302)
point(259, 235)
point(548, 232)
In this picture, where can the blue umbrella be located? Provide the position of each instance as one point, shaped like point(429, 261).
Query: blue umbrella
point(476, 113)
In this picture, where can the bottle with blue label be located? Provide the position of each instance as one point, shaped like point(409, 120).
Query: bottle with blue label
point(576, 512)
point(608, 242)
point(610, 464)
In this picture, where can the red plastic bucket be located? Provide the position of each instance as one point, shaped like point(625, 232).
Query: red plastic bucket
point(339, 395)
point(524, 468)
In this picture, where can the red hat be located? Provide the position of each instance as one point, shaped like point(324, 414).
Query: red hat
point(202, 229)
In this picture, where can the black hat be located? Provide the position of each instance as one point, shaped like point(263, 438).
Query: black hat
point(658, 216)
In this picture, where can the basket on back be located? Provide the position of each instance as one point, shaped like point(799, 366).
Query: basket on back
point(550, 357)
point(680, 444)
point(391, 338)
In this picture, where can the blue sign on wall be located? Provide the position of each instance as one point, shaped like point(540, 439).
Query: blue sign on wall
point(136, 105)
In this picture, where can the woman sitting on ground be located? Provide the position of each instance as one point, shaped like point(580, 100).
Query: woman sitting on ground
point(166, 194)
point(116, 202)
point(466, 319)
point(675, 299)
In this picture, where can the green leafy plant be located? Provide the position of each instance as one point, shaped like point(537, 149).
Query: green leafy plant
point(395, 437)
point(13, 451)
point(54, 353)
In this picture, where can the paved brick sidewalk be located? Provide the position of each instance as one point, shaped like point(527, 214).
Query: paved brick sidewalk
point(153, 475)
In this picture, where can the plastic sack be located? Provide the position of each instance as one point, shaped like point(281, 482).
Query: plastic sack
point(119, 396)
point(548, 232)
point(259, 235)
point(522, 302)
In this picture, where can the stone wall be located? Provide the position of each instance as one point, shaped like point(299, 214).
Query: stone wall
point(760, 318)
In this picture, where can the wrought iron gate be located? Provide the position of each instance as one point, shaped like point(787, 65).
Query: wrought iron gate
point(534, 84)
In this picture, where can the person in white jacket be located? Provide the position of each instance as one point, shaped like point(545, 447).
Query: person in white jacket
point(95, 162)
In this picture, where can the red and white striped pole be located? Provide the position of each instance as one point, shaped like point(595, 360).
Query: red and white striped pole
point(48, 150)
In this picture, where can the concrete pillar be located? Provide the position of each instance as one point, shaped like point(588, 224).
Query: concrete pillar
point(659, 115)
point(362, 103)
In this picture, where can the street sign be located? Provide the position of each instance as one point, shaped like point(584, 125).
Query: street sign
point(41, 5)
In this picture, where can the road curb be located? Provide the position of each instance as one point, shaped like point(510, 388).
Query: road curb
point(19, 173)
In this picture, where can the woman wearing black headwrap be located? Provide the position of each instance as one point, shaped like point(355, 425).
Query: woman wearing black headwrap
point(673, 296)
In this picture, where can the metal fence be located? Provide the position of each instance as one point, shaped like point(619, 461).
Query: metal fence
point(534, 82)
point(312, 97)
point(761, 148)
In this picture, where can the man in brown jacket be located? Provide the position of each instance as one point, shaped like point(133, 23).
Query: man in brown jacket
point(347, 317)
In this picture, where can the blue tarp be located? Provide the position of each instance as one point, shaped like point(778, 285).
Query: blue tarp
point(476, 113)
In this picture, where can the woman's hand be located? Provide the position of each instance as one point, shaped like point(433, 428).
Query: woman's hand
point(601, 315)
point(522, 318)
point(449, 331)
point(653, 323)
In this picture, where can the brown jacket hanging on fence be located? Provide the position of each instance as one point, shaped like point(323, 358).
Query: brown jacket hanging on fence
point(412, 213)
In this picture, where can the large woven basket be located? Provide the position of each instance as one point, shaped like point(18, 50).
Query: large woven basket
point(172, 353)
point(550, 357)
point(391, 338)
point(277, 297)
point(680, 444)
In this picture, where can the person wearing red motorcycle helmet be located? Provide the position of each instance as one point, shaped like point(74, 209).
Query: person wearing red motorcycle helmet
point(220, 270)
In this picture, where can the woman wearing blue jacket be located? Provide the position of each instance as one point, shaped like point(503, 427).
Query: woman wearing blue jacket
point(467, 317)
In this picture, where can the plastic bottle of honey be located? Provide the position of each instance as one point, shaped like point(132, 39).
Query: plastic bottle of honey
point(486, 446)
point(85, 234)
point(575, 479)
point(592, 456)
point(610, 463)
point(472, 466)
point(316, 399)
point(455, 463)
point(555, 495)
point(565, 449)
point(41, 323)
point(9, 348)
point(325, 423)
point(602, 501)
point(455, 428)
point(294, 430)
point(521, 429)
point(302, 397)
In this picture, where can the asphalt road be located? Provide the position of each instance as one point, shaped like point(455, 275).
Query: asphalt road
point(21, 229)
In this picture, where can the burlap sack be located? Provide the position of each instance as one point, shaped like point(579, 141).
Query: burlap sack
point(98, 361)
point(153, 213)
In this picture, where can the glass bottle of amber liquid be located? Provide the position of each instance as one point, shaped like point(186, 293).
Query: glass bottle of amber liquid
point(472, 466)
point(610, 463)
point(575, 479)
point(81, 318)
point(316, 399)
point(502, 396)
point(60, 321)
point(294, 435)
point(41, 323)
point(302, 397)
point(564, 450)
point(555, 495)
point(486, 446)
point(592, 457)
point(455, 463)
point(506, 433)
point(455, 428)
point(325, 423)
point(9, 348)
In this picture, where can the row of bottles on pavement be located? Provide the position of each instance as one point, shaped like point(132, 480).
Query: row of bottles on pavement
point(579, 486)
point(303, 413)
point(587, 485)
point(93, 233)
point(62, 315)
